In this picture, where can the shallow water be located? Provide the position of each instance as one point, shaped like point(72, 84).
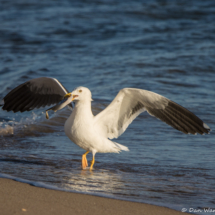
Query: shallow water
point(164, 46)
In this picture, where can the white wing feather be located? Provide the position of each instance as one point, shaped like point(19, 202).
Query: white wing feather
point(130, 102)
point(126, 106)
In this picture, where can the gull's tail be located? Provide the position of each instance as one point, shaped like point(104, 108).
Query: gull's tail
point(121, 147)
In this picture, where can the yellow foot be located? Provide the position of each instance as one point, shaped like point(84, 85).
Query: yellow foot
point(92, 163)
point(84, 160)
point(85, 163)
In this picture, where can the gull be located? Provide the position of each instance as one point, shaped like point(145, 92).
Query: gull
point(94, 133)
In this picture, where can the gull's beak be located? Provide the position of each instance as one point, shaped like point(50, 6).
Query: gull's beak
point(69, 95)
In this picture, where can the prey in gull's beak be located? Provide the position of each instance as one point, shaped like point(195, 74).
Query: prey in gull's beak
point(65, 101)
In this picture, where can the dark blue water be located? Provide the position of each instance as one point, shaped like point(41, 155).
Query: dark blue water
point(164, 46)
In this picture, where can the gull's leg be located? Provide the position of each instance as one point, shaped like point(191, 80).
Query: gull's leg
point(92, 162)
point(84, 160)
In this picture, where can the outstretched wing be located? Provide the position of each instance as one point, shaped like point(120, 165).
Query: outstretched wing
point(35, 93)
point(130, 102)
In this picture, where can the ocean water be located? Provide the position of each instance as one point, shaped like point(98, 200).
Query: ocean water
point(166, 46)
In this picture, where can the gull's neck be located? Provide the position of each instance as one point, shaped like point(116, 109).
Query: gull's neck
point(83, 109)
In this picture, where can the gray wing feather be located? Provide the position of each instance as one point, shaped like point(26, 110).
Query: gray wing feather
point(36, 93)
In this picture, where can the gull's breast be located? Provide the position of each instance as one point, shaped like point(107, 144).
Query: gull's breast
point(81, 132)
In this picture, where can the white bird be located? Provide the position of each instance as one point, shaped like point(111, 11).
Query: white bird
point(94, 133)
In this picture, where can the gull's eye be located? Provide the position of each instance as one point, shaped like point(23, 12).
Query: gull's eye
point(80, 91)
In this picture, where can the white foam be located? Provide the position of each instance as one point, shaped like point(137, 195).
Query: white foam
point(9, 127)
point(8, 130)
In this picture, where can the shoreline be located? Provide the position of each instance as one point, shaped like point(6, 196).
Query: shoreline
point(21, 198)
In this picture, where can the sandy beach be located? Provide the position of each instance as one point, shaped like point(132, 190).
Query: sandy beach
point(20, 198)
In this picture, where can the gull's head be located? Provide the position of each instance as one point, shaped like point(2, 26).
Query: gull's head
point(80, 94)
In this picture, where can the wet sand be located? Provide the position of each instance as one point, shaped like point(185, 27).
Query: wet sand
point(20, 198)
